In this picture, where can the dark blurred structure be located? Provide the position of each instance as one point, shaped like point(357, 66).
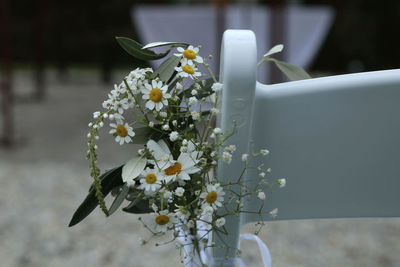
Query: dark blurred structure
point(6, 134)
point(82, 32)
point(364, 37)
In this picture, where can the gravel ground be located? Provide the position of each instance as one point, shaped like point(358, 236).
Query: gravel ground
point(45, 177)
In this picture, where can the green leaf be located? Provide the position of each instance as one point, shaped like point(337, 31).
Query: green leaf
point(119, 199)
point(293, 72)
point(276, 49)
point(157, 44)
point(138, 206)
point(109, 180)
point(133, 168)
point(143, 134)
point(167, 68)
point(136, 49)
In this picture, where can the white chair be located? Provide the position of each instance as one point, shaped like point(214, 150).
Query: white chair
point(335, 139)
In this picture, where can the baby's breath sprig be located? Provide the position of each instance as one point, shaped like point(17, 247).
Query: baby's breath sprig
point(92, 156)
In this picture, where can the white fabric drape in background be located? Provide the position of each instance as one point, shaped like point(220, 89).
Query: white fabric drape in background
point(307, 28)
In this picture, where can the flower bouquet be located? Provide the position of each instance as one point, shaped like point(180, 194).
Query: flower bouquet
point(172, 177)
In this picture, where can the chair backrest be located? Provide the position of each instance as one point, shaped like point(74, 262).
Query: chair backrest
point(335, 139)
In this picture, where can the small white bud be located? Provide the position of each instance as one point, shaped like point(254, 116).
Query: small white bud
point(227, 157)
point(214, 111)
point(179, 191)
point(217, 131)
point(245, 157)
point(261, 195)
point(273, 213)
point(216, 87)
point(282, 182)
point(96, 114)
point(173, 136)
point(220, 222)
point(192, 101)
point(195, 115)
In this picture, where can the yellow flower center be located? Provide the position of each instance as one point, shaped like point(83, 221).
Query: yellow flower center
point(151, 178)
point(189, 53)
point(156, 95)
point(188, 69)
point(162, 219)
point(121, 130)
point(174, 169)
point(211, 197)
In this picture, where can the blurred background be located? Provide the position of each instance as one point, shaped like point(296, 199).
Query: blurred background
point(58, 61)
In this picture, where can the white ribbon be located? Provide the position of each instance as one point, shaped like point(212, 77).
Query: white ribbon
point(192, 259)
point(264, 251)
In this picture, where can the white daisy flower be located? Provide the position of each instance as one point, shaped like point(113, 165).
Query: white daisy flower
point(121, 105)
point(182, 213)
point(163, 221)
point(188, 71)
point(151, 181)
point(176, 170)
point(182, 167)
point(124, 132)
point(156, 94)
point(118, 90)
point(189, 55)
point(213, 196)
point(245, 157)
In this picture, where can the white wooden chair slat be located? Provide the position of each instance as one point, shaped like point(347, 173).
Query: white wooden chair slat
point(335, 139)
